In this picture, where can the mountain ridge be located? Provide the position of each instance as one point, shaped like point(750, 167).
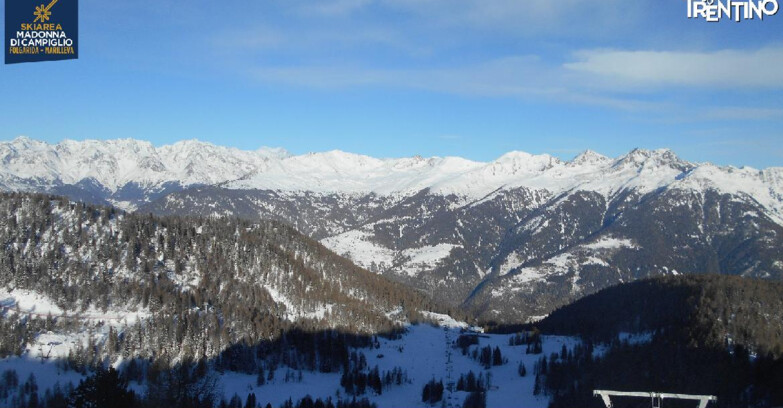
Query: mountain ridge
point(114, 165)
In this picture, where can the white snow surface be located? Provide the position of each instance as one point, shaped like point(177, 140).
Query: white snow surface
point(292, 312)
point(114, 163)
point(425, 352)
point(357, 245)
point(444, 320)
point(610, 243)
point(28, 302)
point(92, 322)
point(38, 306)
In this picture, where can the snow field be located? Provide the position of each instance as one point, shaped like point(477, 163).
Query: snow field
point(425, 352)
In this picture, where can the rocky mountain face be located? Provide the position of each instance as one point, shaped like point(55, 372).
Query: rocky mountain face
point(509, 240)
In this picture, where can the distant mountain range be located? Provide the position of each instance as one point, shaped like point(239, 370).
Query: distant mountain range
point(509, 239)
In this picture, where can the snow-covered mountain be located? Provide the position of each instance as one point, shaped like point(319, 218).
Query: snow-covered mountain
point(123, 172)
point(114, 165)
point(509, 239)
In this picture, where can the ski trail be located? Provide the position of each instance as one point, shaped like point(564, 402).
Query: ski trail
point(451, 400)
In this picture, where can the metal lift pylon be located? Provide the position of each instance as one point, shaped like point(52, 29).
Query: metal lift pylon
point(656, 397)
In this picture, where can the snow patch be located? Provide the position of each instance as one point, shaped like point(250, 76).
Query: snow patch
point(610, 243)
point(39, 306)
point(425, 258)
point(357, 246)
point(292, 312)
point(444, 320)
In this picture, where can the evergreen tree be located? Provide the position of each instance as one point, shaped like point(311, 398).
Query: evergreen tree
point(251, 401)
point(497, 357)
point(103, 389)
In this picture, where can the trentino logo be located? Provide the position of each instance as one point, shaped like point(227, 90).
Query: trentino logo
point(41, 32)
point(737, 10)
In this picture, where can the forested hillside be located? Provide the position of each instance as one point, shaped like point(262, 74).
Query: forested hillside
point(707, 310)
point(699, 334)
point(175, 288)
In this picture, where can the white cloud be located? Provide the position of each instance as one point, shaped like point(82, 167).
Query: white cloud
point(479, 48)
point(741, 113)
point(736, 69)
point(518, 77)
point(525, 77)
point(503, 76)
point(675, 114)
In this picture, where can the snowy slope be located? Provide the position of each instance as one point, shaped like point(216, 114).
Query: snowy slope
point(423, 353)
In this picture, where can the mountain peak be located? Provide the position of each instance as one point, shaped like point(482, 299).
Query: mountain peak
point(26, 142)
point(659, 157)
point(338, 156)
point(22, 139)
point(522, 162)
point(515, 155)
point(589, 157)
point(192, 145)
point(273, 152)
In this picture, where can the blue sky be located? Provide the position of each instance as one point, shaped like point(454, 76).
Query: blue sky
point(392, 78)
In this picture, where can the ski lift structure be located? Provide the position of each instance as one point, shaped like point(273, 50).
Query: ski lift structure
point(655, 397)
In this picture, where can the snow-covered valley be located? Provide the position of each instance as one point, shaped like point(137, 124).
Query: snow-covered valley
point(423, 353)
